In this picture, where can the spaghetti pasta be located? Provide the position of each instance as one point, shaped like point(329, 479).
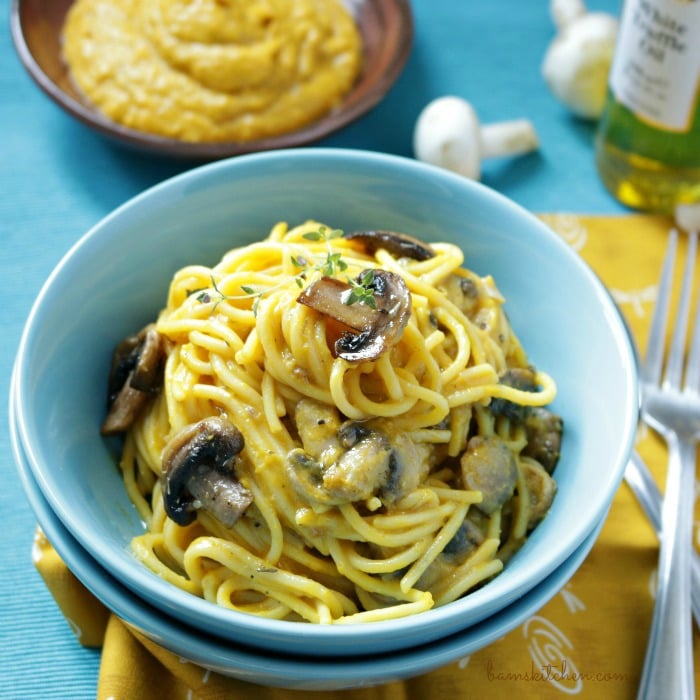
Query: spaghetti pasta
point(356, 430)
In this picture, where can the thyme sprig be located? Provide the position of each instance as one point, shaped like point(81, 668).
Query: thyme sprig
point(204, 296)
point(333, 262)
point(362, 291)
point(331, 265)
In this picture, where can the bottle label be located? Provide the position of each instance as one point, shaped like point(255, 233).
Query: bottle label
point(656, 69)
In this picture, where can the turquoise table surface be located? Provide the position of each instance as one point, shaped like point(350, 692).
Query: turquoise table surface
point(57, 179)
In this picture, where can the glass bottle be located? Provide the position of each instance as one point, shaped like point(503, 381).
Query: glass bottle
point(648, 137)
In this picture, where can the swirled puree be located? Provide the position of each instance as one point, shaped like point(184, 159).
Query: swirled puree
point(212, 70)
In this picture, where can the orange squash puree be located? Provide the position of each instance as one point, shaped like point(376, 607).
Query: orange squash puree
point(212, 70)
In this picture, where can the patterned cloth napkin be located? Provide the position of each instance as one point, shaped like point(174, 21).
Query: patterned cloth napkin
point(588, 641)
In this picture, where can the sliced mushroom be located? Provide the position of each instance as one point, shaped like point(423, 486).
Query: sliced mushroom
point(393, 302)
point(330, 296)
point(408, 467)
point(542, 427)
point(351, 461)
point(471, 534)
point(489, 466)
point(359, 471)
point(148, 372)
point(521, 378)
point(400, 245)
point(198, 472)
point(136, 374)
point(306, 476)
point(544, 431)
point(357, 474)
point(124, 360)
point(126, 407)
point(542, 489)
point(371, 331)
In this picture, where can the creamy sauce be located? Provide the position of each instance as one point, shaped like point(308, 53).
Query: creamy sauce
point(212, 70)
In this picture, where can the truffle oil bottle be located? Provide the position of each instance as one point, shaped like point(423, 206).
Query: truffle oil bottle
point(648, 138)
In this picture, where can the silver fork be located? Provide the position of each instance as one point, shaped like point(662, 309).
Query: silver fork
point(639, 479)
point(674, 412)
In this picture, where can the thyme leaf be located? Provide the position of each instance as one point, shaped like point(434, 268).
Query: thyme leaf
point(362, 291)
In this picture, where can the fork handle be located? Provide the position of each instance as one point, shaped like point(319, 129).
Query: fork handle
point(640, 480)
point(668, 665)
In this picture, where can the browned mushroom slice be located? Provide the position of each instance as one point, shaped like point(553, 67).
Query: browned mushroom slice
point(330, 297)
point(148, 372)
point(124, 410)
point(373, 330)
point(345, 461)
point(408, 467)
point(400, 245)
point(471, 534)
point(489, 466)
point(358, 473)
point(521, 378)
point(198, 472)
point(542, 427)
point(124, 360)
point(306, 476)
point(136, 374)
point(544, 432)
point(340, 463)
point(541, 488)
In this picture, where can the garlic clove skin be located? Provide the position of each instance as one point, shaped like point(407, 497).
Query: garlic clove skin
point(577, 63)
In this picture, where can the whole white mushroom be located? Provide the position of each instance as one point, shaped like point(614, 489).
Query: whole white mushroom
point(448, 134)
point(577, 62)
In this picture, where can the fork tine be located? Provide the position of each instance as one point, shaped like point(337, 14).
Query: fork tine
point(674, 366)
point(692, 367)
point(656, 342)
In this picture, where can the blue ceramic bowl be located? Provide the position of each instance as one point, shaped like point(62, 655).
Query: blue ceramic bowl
point(115, 279)
point(263, 667)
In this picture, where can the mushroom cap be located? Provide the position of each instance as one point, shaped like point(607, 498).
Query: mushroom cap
point(488, 465)
point(209, 445)
point(393, 302)
point(370, 331)
point(577, 63)
point(354, 460)
point(541, 491)
point(135, 375)
point(400, 245)
point(544, 434)
point(446, 134)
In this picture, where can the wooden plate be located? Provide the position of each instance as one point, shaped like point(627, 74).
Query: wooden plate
point(387, 31)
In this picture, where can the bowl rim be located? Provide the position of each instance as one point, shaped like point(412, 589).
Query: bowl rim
point(279, 669)
point(335, 120)
point(279, 629)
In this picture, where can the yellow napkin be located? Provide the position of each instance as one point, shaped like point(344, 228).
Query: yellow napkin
point(589, 640)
